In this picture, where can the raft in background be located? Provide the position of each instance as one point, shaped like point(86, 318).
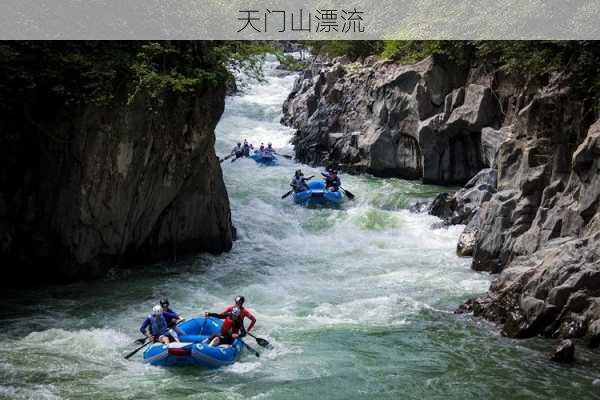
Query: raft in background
point(317, 194)
point(263, 158)
point(194, 348)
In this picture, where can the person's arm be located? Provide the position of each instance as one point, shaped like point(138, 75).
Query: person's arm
point(215, 315)
point(178, 317)
point(309, 178)
point(169, 315)
point(252, 319)
point(144, 327)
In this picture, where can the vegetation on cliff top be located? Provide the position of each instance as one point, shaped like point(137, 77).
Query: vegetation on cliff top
point(78, 72)
point(580, 60)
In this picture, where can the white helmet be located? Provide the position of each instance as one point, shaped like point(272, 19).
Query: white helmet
point(236, 312)
point(157, 310)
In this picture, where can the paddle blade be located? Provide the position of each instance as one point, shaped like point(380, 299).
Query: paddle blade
point(287, 194)
point(263, 343)
point(256, 353)
point(349, 194)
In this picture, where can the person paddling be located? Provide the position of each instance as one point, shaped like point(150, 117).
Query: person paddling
point(246, 148)
point(332, 180)
point(230, 329)
point(238, 150)
point(171, 316)
point(237, 313)
point(155, 327)
point(269, 150)
point(298, 183)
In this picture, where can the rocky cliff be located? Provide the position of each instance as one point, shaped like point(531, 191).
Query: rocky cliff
point(528, 150)
point(87, 187)
point(542, 228)
point(432, 120)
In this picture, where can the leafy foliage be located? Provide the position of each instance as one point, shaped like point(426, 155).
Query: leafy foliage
point(78, 72)
point(578, 60)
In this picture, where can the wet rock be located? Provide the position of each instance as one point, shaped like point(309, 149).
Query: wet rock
point(564, 352)
point(466, 243)
point(462, 205)
point(593, 334)
point(442, 206)
point(419, 207)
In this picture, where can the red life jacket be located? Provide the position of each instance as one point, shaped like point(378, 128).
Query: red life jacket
point(227, 329)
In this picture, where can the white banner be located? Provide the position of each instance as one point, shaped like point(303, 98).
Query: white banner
point(294, 19)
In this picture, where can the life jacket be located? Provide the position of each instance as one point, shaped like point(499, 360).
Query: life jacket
point(158, 325)
point(299, 184)
point(228, 327)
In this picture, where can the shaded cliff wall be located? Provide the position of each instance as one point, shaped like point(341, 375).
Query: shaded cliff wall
point(86, 186)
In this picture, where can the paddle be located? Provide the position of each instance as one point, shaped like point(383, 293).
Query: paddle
point(348, 193)
point(284, 155)
point(226, 157)
point(256, 353)
point(128, 356)
point(261, 342)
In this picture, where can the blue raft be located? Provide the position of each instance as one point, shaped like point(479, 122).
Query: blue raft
point(317, 194)
point(194, 348)
point(264, 158)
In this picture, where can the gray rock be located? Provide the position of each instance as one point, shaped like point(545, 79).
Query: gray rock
point(491, 139)
point(564, 352)
point(593, 333)
point(412, 121)
point(465, 203)
point(466, 243)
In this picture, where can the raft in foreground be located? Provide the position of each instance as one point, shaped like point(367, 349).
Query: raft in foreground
point(317, 194)
point(194, 348)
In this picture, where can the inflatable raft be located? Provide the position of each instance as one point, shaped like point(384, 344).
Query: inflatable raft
point(193, 348)
point(317, 194)
point(264, 158)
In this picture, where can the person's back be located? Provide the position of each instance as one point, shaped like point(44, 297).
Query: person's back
point(299, 183)
point(238, 150)
point(269, 150)
point(155, 326)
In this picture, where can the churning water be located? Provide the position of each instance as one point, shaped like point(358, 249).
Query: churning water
point(357, 301)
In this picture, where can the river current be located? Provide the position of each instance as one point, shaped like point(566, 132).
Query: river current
point(358, 301)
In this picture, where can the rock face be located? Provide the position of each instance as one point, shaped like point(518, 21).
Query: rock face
point(85, 190)
point(565, 352)
point(542, 229)
point(431, 120)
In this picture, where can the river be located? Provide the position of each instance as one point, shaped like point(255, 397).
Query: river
point(358, 302)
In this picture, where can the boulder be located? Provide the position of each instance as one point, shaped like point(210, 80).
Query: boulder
point(564, 352)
